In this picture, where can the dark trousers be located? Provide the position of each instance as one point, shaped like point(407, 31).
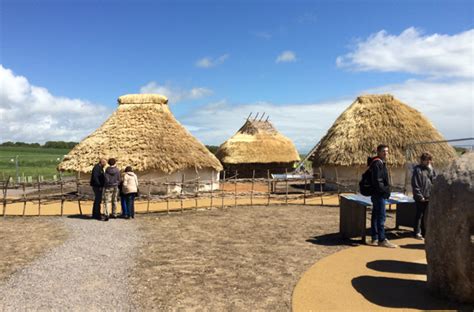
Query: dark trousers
point(123, 203)
point(130, 200)
point(421, 210)
point(377, 221)
point(97, 200)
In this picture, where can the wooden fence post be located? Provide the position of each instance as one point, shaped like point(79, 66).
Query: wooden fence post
point(62, 193)
point(212, 187)
point(251, 192)
point(5, 190)
point(235, 188)
point(321, 185)
point(24, 198)
point(182, 192)
point(222, 190)
point(39, 196)
point(196, 195)
point(269, 188)
point(148, 198)
point(78, 196)
point(286, 186)
point(167, 197)
point(304, 194)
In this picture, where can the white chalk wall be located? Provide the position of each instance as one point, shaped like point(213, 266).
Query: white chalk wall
point(352, 175)
point(206, 175)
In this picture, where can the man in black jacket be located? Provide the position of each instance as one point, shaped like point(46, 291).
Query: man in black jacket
point(97, 183)
point(381, 192)
point(421, 181)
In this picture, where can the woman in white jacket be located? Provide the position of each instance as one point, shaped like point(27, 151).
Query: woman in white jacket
point(130, 190)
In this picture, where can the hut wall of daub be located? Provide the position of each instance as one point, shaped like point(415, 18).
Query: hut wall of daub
point(261, 170)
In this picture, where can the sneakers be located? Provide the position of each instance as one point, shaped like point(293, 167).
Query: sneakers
point(373, 242)
point(419, 236)
point(387, 244)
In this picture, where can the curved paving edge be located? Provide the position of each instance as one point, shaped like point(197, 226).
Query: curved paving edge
point(366, 278)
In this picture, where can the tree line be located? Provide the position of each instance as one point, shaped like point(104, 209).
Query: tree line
point(67, 145)
point(48, 144)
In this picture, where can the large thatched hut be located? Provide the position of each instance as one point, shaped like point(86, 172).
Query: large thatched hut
point(144, 134)
point(258, 146)
point(372, 120)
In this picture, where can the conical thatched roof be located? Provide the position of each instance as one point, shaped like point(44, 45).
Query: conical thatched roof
point(257, 142)
point(142, 133)
point(379, 119)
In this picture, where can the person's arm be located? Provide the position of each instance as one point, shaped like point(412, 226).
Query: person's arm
point(416, 183)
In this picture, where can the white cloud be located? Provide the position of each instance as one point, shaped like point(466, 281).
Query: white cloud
point(304, 124)
point(174, 94)
point(308, 18)
point(262, 35)
point(448, 105)
point(31, 114)
point(435, 55)
point(208, 62)
point(286, 57)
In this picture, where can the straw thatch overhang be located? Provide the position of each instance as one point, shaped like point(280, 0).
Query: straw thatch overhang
point(379, 119)
point(142, 133)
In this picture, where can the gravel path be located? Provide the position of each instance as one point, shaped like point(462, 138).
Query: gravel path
point(86, 273)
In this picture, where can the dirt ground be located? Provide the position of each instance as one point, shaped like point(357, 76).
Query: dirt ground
point(237, 259)
point(24, 239)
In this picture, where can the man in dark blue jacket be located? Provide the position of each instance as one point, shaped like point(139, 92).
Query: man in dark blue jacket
point(381, 192)
point(421, 181)
point(97, 183)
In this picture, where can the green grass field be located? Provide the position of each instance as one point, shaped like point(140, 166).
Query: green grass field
point(32, 161)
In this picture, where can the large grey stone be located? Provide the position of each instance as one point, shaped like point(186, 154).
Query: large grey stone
point(450, 232)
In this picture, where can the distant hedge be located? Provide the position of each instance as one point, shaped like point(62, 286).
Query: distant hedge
point(48, 144)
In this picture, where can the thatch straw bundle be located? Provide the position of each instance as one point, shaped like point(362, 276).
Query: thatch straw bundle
point(375, 119)
point(142, 133)
point(257, 142)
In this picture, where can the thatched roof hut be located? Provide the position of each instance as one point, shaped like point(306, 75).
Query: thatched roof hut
point(257, 145)
point(372, 120)
point(144, 134)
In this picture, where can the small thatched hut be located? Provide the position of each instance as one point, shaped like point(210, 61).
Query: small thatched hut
point(372, 120)
point(144, 134)
point(258, 146)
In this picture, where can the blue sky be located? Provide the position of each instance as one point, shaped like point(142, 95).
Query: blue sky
point(228, 58)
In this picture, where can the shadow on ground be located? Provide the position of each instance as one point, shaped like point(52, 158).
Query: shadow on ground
point(394, 266)
point(333, 239)
point(414, 246)
point(400, 293)
point(81, 217)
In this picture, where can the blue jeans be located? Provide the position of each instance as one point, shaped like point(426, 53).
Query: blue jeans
point(123, 203)
point(377, 222)
point(130, 199)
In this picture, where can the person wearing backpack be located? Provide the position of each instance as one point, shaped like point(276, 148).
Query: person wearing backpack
point(421, 181)
point(380, 193)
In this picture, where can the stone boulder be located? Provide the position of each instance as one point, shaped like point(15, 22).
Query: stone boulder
point(450, 232)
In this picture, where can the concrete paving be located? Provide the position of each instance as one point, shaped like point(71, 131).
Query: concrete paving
point(368, 278)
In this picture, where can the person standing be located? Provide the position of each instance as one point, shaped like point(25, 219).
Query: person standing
point(97, 183)
point(381, 192)
point(112, 180)
point(130, 189)
point(421, 182)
